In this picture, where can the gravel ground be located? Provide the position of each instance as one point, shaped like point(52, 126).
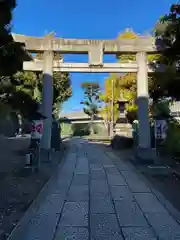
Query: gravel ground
point(17, 188)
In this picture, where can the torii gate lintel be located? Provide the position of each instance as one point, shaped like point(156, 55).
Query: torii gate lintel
point(95, 50)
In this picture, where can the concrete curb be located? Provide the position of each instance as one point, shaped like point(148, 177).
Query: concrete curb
point(16, 232)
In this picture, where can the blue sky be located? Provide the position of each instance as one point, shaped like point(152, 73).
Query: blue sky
point(95, 19)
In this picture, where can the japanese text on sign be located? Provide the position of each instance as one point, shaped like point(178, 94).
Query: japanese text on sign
point(160, 129)
point(37, 129)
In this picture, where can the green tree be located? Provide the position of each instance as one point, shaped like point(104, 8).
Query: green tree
point(167, 33)
point(124, 85)
point(110, 97)
point(91, 99)
point(12, 54)
point(62, 91)
point(28, 86)
point(12, 94)
point(127, 86)
point(62, 87)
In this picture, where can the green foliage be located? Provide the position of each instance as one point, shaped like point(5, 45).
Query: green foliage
point(172, 142)
point(11, 53)
point(28, 82)
point(20, 100)
point(91, 98)
point(80, 129)
point(84, 129)
point(23, 91)
point(62, 90)
point(167, 33)
point(110, 96)
point(6, 7)
point(131, 113)
point(66, 129)
point(161, 108)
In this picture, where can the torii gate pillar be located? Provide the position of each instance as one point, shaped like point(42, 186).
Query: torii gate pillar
point(47, 99)
point(142, 100)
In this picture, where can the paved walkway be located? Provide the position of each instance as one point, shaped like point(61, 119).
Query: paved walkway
point(96, 196)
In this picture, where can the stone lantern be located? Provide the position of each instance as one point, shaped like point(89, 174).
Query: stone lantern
point(122, 126)
point(122, 106)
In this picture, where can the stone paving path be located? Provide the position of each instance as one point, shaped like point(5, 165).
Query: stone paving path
point(96, 196)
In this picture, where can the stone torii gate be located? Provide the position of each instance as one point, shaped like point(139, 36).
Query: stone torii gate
point(95, 49)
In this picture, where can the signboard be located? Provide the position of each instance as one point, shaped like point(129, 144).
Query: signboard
point(160, 129)
point(37, 129)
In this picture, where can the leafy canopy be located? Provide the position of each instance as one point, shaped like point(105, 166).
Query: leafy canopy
point(91, 98)
point(111, 93)
point(23, 91)
point(167, 33)
point(11, 53)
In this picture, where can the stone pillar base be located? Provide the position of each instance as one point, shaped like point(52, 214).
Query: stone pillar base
point(46, 155)
point(146, 155)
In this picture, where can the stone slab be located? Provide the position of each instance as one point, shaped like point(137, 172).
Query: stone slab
point(41, 226)
point(75, 214)
point(60, 187)
point(72, 233)
point(164, 225)
point(78, 193)
point(131, 233)
point(98, 175)
point(83, 169)
point(106, 161)
point(101, 205)
point(52, 203)
point(99, 188)
point(121, 193)
point(112, 170)
point(134, 182)
point(129, 214)
point(122, 166)
point(109, 166)
point(115, 180)
point(96, 166)
point(149, 203)
point(80, 179)
point(104, 227)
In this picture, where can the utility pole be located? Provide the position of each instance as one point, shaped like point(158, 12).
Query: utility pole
point(112, 108)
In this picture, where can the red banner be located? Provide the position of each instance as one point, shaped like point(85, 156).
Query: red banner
point(37, 128)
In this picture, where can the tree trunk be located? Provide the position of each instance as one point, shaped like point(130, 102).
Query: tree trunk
point(109, 128)
point(91, 125)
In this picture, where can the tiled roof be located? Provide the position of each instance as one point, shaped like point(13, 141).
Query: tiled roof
point(72, 115)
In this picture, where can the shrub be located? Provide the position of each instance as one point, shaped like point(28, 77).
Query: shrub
point(172, 142)
point(131, 113)
point(80, 129)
